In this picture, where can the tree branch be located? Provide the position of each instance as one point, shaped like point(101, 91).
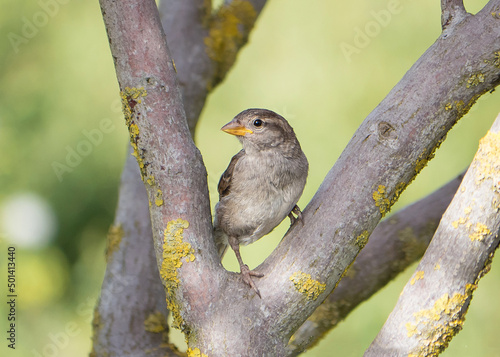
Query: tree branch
point(395, 243)
point(452, 12)
point(433, 304)
point(171, 166)
point(130, 316)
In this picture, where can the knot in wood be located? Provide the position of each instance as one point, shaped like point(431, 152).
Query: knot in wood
point(386, 131)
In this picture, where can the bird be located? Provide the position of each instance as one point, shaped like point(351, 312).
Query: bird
point(261, 185)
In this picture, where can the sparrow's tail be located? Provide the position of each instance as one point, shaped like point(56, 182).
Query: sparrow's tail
point(221, 242)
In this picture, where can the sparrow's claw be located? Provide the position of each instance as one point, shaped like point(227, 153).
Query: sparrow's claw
point(298, 212)
point(247, 274)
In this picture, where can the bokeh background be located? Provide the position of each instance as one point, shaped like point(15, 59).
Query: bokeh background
point(58, 188)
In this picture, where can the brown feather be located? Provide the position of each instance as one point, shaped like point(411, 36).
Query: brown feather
point(225, 180)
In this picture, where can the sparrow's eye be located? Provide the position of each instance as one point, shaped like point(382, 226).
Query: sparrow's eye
point(257, 122)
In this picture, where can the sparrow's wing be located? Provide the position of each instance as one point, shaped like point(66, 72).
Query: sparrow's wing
point(225, 179)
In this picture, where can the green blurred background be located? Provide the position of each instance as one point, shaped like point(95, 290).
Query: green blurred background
point(58, 86)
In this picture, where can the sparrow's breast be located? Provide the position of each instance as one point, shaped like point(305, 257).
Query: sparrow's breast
point(265, 193)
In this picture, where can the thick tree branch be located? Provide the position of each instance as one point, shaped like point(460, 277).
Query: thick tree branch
point(130, 317)
point(395, 243)
point(432, 306)
point(171, 166)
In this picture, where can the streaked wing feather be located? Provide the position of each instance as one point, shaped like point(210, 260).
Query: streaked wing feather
point(225, 180)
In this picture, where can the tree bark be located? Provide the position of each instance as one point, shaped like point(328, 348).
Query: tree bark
point(433, 304)
point(394, 244)
point(388, 150)
point(452, 12)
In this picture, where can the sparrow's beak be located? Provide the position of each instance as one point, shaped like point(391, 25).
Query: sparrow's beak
point(235, 128)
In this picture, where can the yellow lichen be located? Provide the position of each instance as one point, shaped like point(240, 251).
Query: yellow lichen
point(496, 58)
point(195, 352)
point(437, 266)
point(381, 200)
point(411, 329)
point(228, 31)
point(306, 285)
point(448, 106)
point(437, 325)
point(420, 164)
point(463, 108)
point(425, 157)
point(362, 239)
point(115, 235)
point(480, 232)
point(130, 98)
point(487, 160)
point(400, 187)
point(159, 198)
point(475, 79)
point(151, 180)
point(461, 220)
point(174, 249)
point(134, 130)
point(419, 275)
point(155, 322)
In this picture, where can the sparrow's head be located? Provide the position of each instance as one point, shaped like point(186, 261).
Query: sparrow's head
point(261, 128)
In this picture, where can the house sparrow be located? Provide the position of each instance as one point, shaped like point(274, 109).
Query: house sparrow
point(261, 185)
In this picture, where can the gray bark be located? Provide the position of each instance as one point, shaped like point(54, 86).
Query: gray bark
point(452, 12)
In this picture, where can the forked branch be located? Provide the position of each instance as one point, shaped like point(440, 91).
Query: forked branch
point(388, 150)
